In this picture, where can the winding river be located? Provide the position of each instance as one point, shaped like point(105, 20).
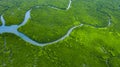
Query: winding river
point(14, 30)
point(55, 7)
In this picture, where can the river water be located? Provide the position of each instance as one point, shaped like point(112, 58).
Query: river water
point(14, 30)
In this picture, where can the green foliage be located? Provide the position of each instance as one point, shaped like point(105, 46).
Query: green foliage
point(91, 45)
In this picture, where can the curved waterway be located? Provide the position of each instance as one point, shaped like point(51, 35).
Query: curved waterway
point(14, 30)
point(55, 7)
